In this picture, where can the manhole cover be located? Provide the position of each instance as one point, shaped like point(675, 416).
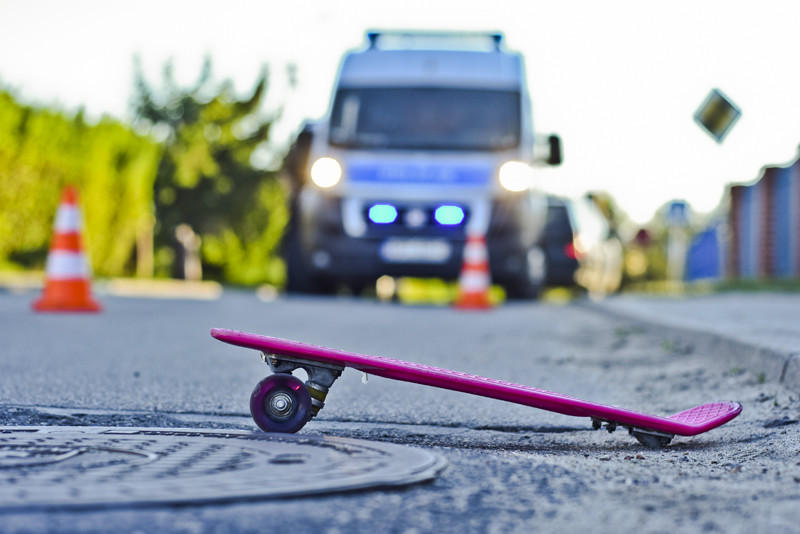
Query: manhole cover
point(57, 467)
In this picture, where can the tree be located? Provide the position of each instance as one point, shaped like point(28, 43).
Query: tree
point(206, 179)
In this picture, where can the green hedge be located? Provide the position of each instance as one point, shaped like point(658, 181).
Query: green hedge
point(41, 151)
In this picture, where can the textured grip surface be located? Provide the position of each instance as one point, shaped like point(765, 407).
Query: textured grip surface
point(700, 415)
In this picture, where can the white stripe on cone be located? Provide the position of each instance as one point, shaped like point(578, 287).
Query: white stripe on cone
point(475, 253)
point(68, 219)
point(473, 281)
point(62, 265)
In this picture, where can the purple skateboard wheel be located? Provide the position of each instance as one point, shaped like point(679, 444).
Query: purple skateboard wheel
point(280, 403)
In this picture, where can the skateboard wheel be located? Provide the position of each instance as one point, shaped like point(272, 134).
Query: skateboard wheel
point(280, 403)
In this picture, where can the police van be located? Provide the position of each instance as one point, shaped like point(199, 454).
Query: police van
point(428, 139)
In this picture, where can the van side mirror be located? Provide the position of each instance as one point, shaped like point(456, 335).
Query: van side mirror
point(547, 150)
point(555, 157)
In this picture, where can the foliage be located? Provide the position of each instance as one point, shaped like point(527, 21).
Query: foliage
point(206, 178)
point(41, 150)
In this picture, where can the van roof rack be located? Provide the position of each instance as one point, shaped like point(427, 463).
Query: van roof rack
point(433, 40)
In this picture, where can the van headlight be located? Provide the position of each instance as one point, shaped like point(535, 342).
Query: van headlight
point(515, 176)
point(326, 172)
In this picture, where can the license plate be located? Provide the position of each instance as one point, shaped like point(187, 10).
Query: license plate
point(415, 251)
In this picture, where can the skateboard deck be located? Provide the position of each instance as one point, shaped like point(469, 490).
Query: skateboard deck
point(283, 403)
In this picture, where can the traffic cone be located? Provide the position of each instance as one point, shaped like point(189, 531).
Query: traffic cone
point(474, 281)
point(67, 285)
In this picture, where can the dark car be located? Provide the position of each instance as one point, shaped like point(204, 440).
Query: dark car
point(581, 247)
point(559, 247)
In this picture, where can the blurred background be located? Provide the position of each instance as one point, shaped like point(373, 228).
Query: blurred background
point(175, 120)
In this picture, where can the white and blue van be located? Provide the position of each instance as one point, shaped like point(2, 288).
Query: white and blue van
point(428, 138)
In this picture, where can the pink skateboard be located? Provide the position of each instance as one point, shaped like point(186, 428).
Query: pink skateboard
point(282, 403)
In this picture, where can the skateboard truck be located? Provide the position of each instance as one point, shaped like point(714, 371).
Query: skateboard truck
point(649, 438)
point(321, 376)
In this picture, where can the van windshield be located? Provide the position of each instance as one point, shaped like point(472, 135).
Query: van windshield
point(426, 119)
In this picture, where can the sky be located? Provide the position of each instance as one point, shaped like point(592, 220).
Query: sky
point(619, 81)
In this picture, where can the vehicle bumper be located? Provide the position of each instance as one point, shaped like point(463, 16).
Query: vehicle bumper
point(332, 253)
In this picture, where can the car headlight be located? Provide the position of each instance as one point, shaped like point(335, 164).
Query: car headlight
point(326, 172)
point(515, 176)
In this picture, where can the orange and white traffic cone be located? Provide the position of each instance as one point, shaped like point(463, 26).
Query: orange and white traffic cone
point(67, 285)
point(474, 281)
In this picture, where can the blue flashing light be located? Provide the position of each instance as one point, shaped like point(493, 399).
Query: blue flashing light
point(449, 215)
point(382, 214)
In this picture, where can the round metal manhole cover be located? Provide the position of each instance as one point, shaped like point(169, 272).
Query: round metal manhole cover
point(56, 467)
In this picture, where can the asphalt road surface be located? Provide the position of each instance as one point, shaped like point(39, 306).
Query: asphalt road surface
point(151, 362)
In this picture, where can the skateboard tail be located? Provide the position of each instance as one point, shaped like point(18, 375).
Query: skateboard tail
point(707, 416)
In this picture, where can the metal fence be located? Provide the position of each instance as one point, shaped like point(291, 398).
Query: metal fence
point(760, 238)
point(764, 226)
